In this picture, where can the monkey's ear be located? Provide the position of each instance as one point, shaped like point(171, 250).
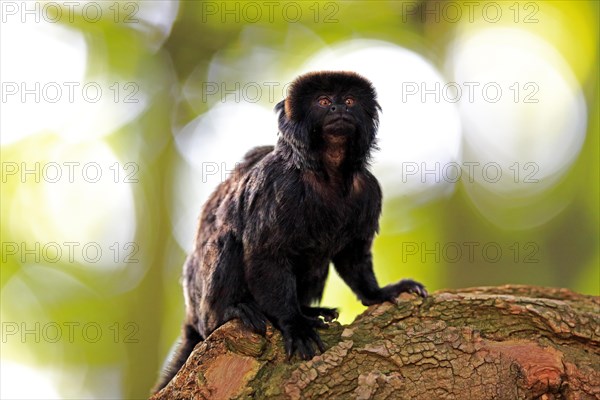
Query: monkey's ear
point(284, 106)
point(280, 107)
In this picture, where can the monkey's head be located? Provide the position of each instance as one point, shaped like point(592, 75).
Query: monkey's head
point(328, 107)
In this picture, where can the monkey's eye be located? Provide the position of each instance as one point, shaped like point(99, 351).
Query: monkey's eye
point(349, 101)
point(324, 102)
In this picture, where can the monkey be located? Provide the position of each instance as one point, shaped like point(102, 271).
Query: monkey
point(269, 232)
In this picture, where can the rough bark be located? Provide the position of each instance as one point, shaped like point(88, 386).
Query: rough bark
point(509, 342)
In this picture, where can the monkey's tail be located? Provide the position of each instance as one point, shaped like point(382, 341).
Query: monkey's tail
point(189, 339)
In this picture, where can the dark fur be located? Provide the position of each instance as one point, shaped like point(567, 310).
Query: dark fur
point(268, 233)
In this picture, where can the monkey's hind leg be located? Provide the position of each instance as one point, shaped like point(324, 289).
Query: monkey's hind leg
point(189, 339)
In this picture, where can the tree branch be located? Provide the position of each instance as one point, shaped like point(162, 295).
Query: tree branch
point(508, 342)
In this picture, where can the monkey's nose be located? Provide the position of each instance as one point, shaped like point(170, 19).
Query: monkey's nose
point(336, 107)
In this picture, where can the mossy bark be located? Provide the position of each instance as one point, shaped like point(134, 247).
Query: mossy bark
point(509, 342)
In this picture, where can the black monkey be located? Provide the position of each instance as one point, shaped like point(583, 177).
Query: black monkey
point(268, 233)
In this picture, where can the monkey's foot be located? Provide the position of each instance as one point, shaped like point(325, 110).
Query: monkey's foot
point(250, 315)
point(300, 337)
point(328, 314)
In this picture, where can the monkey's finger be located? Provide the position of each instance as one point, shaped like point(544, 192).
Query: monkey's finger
point(329, 314)
point(318, 323)
point(247, 321)
point(317, 339)
point(259, 323)
point(410, 286)
point(289, 347)
point(305, 349)
point(419, 289)
point(322, 325)
point(259, 326)
point(252, 319)
point(334, 314)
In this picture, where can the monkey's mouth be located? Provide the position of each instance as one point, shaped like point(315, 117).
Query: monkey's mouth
point(339, 125)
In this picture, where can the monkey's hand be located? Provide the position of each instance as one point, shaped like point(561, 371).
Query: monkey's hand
point(300, 336)
point(391, 292)
point(328, 314)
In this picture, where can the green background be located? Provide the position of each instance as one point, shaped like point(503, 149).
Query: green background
point(137, 304)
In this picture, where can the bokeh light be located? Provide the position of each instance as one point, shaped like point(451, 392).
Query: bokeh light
point(211, 146)
point(524, 122)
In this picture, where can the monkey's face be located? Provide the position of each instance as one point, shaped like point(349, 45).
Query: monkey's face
point(335, 114)
point(325, 105)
